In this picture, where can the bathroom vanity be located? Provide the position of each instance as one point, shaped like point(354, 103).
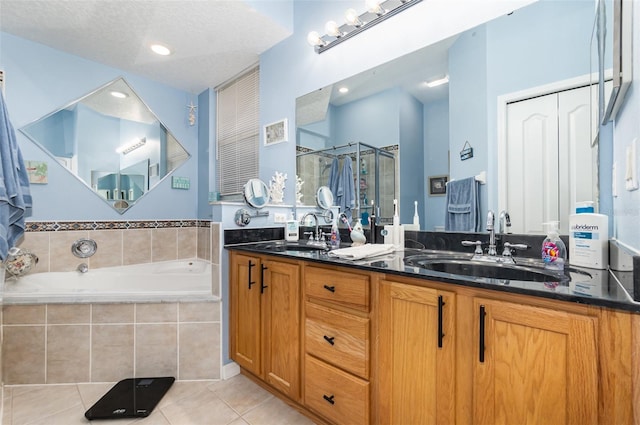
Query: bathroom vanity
point(379, 341)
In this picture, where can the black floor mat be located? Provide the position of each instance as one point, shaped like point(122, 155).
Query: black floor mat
point(130, 398)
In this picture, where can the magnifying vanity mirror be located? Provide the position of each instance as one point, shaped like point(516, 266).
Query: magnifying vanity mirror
point(256, 194)
point(112, 142)
point(324, 200)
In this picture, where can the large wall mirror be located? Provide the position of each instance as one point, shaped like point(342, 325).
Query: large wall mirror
point(543, 46)
point(112, 142)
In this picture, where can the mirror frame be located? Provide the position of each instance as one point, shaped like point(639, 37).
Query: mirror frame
point(622, 56)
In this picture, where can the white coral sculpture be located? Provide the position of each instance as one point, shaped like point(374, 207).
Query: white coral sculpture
point(299, 184)
point(276, 187)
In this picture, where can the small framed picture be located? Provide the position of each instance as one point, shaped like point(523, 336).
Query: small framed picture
point(438, 185)
point(276, 132)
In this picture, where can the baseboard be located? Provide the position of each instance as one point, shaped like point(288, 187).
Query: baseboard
point(230, 370)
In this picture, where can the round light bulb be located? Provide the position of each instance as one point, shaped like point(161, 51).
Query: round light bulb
point(332, 29)
point(313, 38)
point(343, 90)
point(373, 6)
point(352, 17)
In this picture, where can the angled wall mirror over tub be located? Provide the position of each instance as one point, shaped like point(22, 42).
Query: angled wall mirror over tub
point(112, 142)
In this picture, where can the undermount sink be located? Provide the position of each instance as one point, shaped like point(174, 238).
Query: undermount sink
point(489, 270)
point(281, 246)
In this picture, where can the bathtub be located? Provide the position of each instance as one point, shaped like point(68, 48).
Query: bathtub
point(169, 281)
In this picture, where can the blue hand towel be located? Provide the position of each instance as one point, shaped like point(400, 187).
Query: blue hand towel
point(15, 196)
point(334, 176)
point(346, 196)
point(463, 206)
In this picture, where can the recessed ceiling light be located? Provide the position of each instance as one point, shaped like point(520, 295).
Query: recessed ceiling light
point(119, 94)
point(438, 82)
point(343, 90)
point(160, 49)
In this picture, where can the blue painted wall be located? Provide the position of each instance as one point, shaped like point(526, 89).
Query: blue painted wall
point(436, 160)
point(41, 80)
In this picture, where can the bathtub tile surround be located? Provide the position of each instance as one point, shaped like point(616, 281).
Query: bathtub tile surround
point(121, 242)
point(58, 343)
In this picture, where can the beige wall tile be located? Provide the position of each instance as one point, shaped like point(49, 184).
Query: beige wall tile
point(24, 354)
point(68, 313)
point(164, 244)
point(67, 354)
point(23, 314)
point(109, 252)
point(136, 246)
point(156, 313)
point(38, 243)
point(215, 243)
point(187, 242)
point(204, 243)
point(199, 312)
point(156, 350)
point(62, 260)
point(199, 351)
point(112, 313)
point(111, 352)
point(215, 280)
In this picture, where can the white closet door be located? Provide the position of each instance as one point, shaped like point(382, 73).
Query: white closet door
point(576, 156)
point(532, 163)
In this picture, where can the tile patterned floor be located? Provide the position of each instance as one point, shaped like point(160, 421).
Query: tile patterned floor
point(236, 401)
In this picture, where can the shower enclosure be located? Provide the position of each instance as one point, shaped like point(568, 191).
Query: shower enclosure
point(374, 175)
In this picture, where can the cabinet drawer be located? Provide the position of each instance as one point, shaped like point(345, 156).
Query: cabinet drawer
point(351, 290)
point(338, 338)
point(340, 397)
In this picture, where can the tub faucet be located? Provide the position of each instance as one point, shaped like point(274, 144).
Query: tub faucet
point(82, 268)
point(491, 219)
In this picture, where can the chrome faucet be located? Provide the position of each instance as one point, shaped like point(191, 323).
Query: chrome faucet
point(491, 219)
point(315, 235)
point(82, 268)
point(504, 222)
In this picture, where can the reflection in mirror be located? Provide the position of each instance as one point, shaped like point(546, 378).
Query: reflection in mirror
point(112, 142)
point(392, 104)
point(324, 197)
point(256, 193)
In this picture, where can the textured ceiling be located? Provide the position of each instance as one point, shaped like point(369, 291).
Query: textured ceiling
point(212, 40)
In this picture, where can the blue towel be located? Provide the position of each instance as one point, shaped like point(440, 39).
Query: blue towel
point(15, 196)
point(463, 207)
point(334, 176)
point(345, 195)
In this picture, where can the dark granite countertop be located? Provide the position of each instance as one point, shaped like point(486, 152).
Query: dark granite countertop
point(602, 288)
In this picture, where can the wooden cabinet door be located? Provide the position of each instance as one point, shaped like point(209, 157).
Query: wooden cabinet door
point(416, 367)
point(534, 366)
point(245, 312)
point(281, 326)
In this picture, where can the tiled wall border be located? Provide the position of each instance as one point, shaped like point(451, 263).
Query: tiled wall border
point(60, 226)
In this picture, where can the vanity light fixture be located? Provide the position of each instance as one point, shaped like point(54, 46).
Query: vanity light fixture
point(438, 82)
point(376, 12)
point(135, 145)
point(160, 49)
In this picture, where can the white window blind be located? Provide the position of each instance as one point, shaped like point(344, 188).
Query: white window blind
point(238, 133)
